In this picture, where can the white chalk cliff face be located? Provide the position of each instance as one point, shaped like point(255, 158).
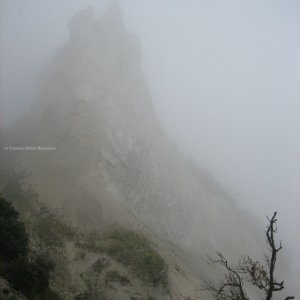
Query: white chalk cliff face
point(113, 161)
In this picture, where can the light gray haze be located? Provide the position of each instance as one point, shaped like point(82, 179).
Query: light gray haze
point(224, 77)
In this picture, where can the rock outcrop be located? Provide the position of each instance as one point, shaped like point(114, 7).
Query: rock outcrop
point(113, 162)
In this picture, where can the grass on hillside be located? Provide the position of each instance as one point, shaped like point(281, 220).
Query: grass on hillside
point(134, 251)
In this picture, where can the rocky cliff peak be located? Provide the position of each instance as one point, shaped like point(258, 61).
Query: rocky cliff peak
point(113, 14)
point(85, 23)
point(113, 161)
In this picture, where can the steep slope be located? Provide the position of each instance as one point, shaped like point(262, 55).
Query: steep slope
point(113, 162)
point(54, 261)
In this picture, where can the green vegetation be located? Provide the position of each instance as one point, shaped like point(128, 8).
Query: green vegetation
point(50, 230)
point(115, 276)
point(93, 243)
point(100, 265)
point(134, 251)
point(12, 233)
point(31, 278)
point(83, 296)
point(27, 275)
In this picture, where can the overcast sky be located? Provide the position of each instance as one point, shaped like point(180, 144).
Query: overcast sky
point(224, 77)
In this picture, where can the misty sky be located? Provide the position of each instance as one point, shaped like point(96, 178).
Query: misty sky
point(224, 77)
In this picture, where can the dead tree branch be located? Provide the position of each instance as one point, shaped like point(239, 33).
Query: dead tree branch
point(248, 270)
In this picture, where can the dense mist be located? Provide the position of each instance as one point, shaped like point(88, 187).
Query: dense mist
point(224, 79)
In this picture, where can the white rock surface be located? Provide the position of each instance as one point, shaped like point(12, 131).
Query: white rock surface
point(113, 159)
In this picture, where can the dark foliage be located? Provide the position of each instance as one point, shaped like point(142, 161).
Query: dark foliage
point(13, 237)
point(115, 276)
point(134, 251)
point(59, 230)
point(31, 278)
point(83, 296)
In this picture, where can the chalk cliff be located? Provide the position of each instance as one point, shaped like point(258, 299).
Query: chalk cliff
point(113, 162)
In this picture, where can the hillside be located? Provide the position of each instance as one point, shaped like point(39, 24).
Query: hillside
point(117, 263)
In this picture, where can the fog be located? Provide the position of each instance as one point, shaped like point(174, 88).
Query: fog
point(223, 75)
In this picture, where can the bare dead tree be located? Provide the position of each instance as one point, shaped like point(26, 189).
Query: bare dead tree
point(272, 284)
point(248, 270)
point(232, 286)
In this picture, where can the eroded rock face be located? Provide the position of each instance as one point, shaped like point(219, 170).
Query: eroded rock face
point(113, 160)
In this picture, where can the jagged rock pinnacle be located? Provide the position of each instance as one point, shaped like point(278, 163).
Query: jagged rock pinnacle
point(114, 10)
point(112, 17)
point(82, 21)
